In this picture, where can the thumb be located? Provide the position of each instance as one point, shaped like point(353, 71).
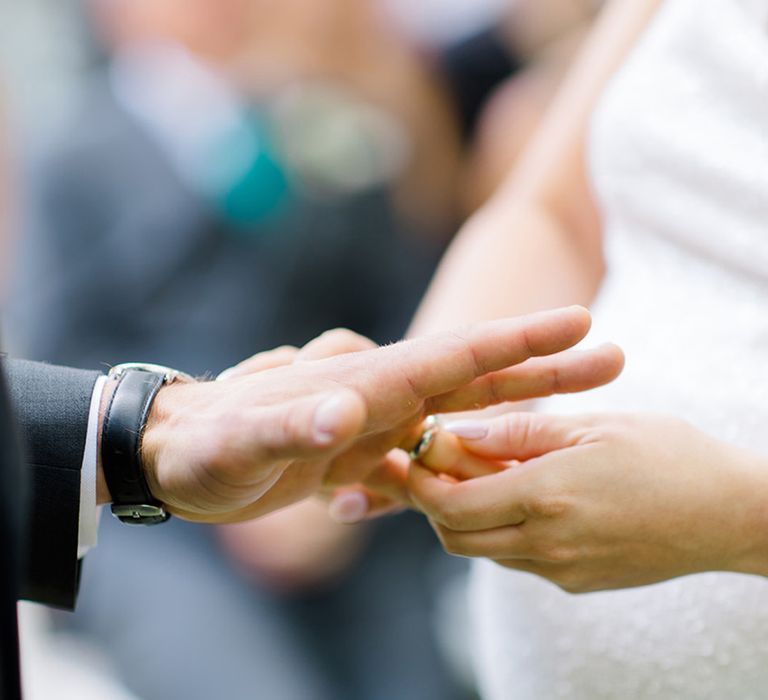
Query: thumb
point(517, 436)
point(305, 428)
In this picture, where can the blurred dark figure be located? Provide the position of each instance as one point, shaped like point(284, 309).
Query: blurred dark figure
point(245, 174)
point(504, 79)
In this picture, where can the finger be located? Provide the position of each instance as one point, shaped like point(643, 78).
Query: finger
point(269, 359)
point(502, 542)
point(384, 491)
point(349, 505)
point(390, 479)
point(437, 364)
point(447, 456)
point(363, 459)
point(303, 428)
point(564, 373)
point(339, 341)
point(358, 504)
point(520, 436)
point(476, 504)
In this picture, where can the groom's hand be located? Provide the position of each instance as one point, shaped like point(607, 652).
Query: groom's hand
point(234, 449)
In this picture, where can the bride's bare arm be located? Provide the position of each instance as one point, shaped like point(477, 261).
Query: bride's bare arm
point(537, 244)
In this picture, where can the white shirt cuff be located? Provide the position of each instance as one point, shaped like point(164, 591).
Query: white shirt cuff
point(89, 511)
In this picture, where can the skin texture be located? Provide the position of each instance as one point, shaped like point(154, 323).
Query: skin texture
point(620, 500)
point(538, 243)
point(596, 502)
point(299, 547)
point(261, 439)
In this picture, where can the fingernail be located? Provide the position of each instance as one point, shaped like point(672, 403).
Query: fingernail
point(349, 508)
point(467, 429)
point(223, 375)
point(328, 415)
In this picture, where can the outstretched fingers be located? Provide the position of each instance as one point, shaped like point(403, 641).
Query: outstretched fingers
point(563, 373)
point(437, 364)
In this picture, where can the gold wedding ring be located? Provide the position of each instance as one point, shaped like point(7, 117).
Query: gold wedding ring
point(431, 427)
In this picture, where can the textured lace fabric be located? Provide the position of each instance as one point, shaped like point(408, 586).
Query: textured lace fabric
point(679, 161)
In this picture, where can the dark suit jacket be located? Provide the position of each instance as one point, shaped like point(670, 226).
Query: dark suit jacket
point(47, 407)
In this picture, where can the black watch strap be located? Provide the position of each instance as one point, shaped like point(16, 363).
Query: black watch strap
point(122, 431)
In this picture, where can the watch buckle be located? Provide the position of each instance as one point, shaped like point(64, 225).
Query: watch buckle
point(139, 514)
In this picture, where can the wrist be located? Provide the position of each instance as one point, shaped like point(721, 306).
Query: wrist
point(158, 431)
point(752, 547)
point(125, 474)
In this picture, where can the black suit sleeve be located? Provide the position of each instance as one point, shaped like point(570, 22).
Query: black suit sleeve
point(12, 499)
point(51, 406)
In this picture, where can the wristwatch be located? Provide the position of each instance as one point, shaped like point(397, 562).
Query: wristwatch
point(123, 429)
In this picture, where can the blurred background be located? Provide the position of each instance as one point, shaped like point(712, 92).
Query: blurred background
point(194, 181)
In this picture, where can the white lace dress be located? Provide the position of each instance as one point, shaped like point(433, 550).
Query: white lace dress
point(679, 159)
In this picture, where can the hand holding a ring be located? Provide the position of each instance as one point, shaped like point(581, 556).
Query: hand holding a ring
point(595, 502)
point(505, 360)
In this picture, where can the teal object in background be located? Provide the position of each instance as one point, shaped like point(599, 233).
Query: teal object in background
point(244, 176)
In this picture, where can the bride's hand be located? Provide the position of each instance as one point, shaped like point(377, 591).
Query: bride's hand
point(597, 502)
point(384, 490)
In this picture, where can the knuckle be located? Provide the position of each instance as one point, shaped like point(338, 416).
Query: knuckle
point(477, 365)
point(421, 500)
point(412, 389)
point(334, 333)
point(558, 554)
point(284, 351)
point(517, 429)
point(442, 511)
point(448, 540)
point(456, 543)
point(527, 342)
point(339, 334)
point(451, 515)
point(283, 426)
point(346, 339)
point(495, 387)
point(547, 505)
point(557, 384)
